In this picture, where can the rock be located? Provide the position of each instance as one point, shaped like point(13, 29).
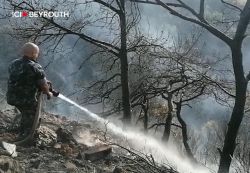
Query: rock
point(57, 146)
point(101, 170)
point(6, 120)
point(34, 155)
point(71, 167)
point(46, 137)
point(35, 163)
point(65, 150)
point(64, 118)
point(65, 136)
point(7, 137)
point(10, 148)
point(4, 152)
point(117, 170)
point(108, 162)
point(80, 156)
point(9, 165)
point(98, 152)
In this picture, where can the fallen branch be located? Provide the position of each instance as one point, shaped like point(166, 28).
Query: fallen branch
point(163, 124)
point(143, 163)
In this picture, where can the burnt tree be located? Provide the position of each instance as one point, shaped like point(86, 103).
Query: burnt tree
point(235, 44)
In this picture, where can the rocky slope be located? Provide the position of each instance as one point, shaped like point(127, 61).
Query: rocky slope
point(63, 146)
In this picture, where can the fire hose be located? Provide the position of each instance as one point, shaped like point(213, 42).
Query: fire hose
point(37, 119)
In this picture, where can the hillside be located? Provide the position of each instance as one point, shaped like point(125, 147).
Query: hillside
point(69, 146)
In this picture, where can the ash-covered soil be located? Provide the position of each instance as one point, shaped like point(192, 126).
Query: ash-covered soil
point(63, 146)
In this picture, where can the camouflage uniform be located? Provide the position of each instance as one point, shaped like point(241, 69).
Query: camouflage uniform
point(24, 78)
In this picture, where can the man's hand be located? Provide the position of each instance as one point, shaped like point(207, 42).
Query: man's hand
point(45, 88)
point(49, 95)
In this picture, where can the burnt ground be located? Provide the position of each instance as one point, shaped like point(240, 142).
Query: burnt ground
point(63, 146)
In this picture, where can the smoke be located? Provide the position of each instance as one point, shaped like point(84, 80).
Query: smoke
point(86, 138)
point(162, 153)
point(63, 70)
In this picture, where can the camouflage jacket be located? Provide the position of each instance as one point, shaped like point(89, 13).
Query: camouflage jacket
point(24, 75)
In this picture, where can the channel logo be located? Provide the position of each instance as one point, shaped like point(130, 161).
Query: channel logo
point(47, 14)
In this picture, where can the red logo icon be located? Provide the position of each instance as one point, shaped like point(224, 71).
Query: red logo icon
point(25, 14)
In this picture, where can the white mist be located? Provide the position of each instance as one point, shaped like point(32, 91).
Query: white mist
point(147, 144)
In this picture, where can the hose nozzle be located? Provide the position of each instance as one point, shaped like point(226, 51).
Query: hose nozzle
point(55, 93)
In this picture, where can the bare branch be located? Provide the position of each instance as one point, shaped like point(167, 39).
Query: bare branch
point(210, 28)
point(231, 5)
point(163, 124)
point(103, 82)
point(108, 6)
point(195, 96)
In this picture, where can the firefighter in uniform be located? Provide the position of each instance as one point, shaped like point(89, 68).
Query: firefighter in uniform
point(26, 81)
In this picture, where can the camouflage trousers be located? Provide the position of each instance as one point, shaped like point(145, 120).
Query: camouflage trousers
point(28, 113)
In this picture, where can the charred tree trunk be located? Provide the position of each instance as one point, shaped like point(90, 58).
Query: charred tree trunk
point(240, 80)
point(166, 133)
point(238, 110)
point(184, 132)
point(124, 66)
point(145, 119)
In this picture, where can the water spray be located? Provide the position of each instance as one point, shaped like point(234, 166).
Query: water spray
point(150, 145)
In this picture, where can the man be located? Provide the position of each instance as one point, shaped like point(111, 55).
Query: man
point(26, 81)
